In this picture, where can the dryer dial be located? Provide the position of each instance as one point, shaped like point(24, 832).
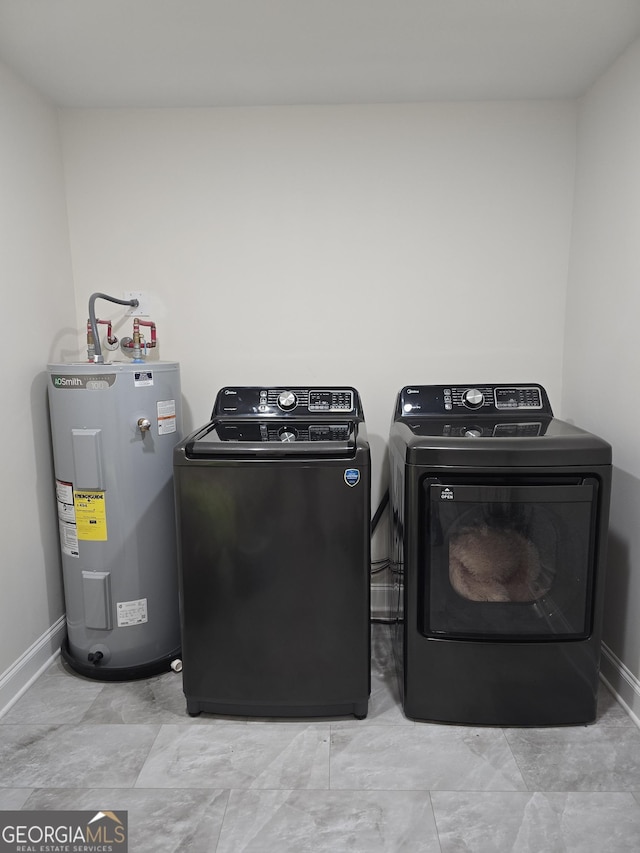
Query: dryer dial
point(472, 398)
point(287, 400)
point(287, 434)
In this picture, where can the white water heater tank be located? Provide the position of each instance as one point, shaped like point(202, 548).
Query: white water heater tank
point(113, 429)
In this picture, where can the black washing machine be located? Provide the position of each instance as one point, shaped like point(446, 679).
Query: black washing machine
point(499, 527)
point(273, 502)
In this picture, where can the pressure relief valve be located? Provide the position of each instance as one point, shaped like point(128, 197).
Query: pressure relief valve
point(137, 346)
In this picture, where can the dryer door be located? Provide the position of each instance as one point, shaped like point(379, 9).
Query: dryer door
point(510, 560)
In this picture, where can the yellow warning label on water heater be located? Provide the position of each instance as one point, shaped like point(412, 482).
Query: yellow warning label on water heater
point(91, 515)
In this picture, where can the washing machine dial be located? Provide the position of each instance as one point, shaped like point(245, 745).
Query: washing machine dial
point(287, 434)
point(472, 398)
point(472, 432)
point(287, 400)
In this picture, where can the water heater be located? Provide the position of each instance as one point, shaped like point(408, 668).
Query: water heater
point(113, 427)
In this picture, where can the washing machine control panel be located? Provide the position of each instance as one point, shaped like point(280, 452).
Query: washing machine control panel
point(291, 401)
point(481, 399)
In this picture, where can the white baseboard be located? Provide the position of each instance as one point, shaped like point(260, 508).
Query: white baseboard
point(20, 676)
point(621, 682)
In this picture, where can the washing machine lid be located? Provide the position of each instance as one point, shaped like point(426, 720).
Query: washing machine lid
point(488, 425)
point(271, 439)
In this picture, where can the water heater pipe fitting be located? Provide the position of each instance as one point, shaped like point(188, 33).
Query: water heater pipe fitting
point(98, 357)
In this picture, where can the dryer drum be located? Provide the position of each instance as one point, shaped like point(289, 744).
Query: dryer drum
point(503, 552)
point(495, 564)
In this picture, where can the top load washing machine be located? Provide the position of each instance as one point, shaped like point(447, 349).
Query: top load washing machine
point(273, 502)
point(499, 526)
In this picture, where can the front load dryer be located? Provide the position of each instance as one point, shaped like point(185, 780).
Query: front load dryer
point(499, 527)
point(273, 502)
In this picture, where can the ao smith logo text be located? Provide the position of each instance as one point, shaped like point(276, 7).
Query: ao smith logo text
point(64, 381)
point(77, 381)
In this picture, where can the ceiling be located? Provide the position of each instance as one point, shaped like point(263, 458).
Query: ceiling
point(177, 53)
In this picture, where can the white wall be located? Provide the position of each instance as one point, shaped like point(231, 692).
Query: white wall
point(602, 357)
point(375, 246)
point(38, 303)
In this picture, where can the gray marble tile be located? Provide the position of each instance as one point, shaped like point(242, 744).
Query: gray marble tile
point(13, 798)
point(54, 700)
point(265, 755)
point(532, 823)
point(54, 756)
point(159, 821)
point(585, 758)
point(328, 822)
point(423, 757)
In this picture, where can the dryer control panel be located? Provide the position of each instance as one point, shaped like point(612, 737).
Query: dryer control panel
point(283, 401)
point(480, 398)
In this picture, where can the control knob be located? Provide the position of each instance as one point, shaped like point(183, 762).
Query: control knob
point(287, 400)
point(472, 432)
point(287, 434)
point(472, 398)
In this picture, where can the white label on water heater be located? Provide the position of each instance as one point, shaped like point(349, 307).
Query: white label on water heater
point(132, 612)
point(64, 496)
point(166, 417)
point(64, 491)
point(69, 539)
point(67, 519)
point(143, 379)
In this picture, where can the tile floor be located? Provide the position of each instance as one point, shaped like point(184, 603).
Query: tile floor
point(380, 785)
